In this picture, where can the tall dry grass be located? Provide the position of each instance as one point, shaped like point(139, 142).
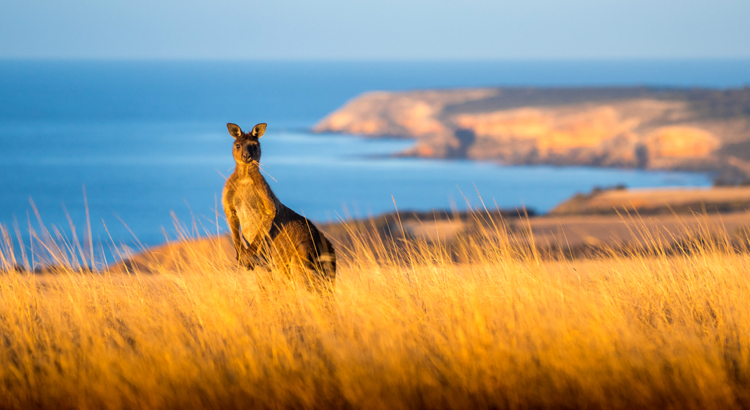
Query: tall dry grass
point(406, 327)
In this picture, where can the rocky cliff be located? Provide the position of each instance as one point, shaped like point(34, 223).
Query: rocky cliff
point(696, 129)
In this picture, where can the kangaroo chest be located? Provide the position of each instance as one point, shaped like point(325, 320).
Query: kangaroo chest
point(249, 208)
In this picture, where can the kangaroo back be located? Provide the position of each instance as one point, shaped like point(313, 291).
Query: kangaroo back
point(297, 245)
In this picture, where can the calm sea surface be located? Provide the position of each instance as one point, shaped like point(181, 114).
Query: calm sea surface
point(148, 139)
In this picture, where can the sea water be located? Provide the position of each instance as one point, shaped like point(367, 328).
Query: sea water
point(139, 145)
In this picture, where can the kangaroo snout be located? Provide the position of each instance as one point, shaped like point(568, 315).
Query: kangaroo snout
point(248, 153)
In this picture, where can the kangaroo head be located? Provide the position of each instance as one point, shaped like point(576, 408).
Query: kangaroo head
point(246, 146)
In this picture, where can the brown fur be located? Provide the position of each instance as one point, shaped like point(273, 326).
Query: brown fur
point(265, 232)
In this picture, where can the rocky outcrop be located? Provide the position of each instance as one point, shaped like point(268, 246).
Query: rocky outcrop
point(621, 127)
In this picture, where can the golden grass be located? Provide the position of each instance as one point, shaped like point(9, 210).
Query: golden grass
point(403, 329)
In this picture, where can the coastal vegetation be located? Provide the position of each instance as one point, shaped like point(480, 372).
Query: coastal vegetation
point(489, 322)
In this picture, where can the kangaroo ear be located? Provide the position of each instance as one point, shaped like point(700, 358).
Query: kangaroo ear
point(259, 130)
point(234, 130)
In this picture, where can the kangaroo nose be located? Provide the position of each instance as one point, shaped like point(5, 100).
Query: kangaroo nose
point(247, 153)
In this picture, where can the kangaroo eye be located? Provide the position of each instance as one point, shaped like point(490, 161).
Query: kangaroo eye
point(237, 145)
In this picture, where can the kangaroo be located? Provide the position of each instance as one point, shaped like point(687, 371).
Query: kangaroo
point(265, 232)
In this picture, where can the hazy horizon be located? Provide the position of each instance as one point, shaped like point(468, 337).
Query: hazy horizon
point(375, 61)
point(383, 30)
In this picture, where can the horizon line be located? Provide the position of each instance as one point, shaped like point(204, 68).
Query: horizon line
point(375, 61)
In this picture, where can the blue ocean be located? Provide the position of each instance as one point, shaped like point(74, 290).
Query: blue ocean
point(139, 145)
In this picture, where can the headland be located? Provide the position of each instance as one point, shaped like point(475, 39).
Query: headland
point(703, 130)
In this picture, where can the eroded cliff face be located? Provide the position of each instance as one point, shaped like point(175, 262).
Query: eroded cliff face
point(627, 134)
point(649, 133)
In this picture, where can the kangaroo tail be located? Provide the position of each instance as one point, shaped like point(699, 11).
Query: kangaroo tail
point(326, 258)
point(327, 263)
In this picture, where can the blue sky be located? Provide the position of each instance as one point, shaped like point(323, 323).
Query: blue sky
point(374, 29)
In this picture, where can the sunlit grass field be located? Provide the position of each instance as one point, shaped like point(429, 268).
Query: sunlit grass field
point(407, 326)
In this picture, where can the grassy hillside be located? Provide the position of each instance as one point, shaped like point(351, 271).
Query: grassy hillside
point(406, 327)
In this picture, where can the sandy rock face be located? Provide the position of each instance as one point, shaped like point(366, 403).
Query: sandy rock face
point(550, 132)
point(681, 142)
point(610, 134)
